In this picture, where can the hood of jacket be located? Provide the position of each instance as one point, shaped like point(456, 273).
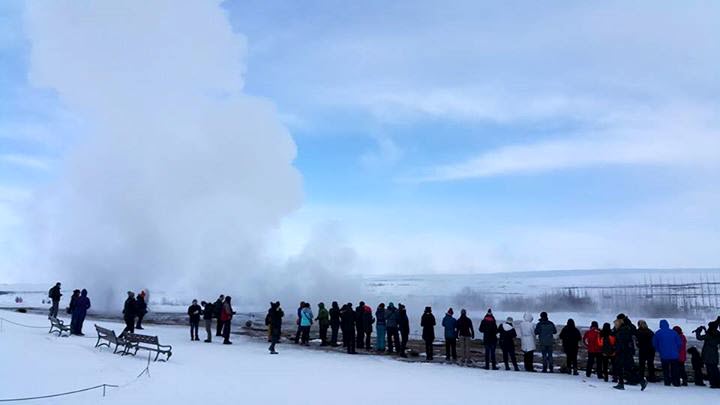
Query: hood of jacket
point(664, 324)
point(528, 317)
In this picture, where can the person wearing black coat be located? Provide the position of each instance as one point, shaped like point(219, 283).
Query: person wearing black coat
point(141, 310)
point(427, 323)
point(625, 353)
point(347, 321)
point(334, 313)
point(466, 333)
point(570, 337)
point(54, 294)
point(71, 307)
point(275, 316)
point(488, 327)
point(360, 325)
point(507, 335)
point(404, 328)
point(697, 365)
point(646, 350)
point(208, 311)
point(194, 311)
point(129, 312)
point(711, 341)
point(217, 310)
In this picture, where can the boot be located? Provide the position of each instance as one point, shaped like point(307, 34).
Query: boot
point(643, 384)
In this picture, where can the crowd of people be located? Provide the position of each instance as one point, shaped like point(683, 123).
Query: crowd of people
point(611, 349)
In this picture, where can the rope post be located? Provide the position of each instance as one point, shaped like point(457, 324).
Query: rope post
point(103, 390)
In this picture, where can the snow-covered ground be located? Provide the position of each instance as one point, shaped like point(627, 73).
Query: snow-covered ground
point(35, 363)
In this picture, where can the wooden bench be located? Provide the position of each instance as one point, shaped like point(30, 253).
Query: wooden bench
point(107, 337)
point(57, 325)
point(149, 343)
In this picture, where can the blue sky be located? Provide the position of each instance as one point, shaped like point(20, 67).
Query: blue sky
point(476, 136)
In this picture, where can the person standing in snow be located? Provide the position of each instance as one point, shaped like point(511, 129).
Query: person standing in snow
point(298, 333)
point(391, 326)
point(570, 337)
point(625, 353)
point(323, 318)
point(347, 320)
point(367, 322)
point(129, 312)
point(697, 365)
point(646, 350)
point(606, 344)
point(466, 333)
point(141, 309)
point(526, 330)
point(71, 307)
point(380, 319)
point(404, 328)
point(667, 343)
point(488, 327)
point(275, 317)
point(545, 330)
point(360, 326)
point(711, 340)
point(590, 341)
point(682, 358)
point(507, 335)
point(427, 323)
point(217, 308)
point(449, 323)
point(79, 312)
point(334, 323)
point(194, 312)
point(226, 316)
point(306, 321)
point(208, 311)
point(54, 294)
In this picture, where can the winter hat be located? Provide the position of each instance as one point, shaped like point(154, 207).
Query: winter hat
point(509, 319)
point(463, 312)
point(677, 329)
point(450, 311)
point(428, 309)
point(390, 305)
point(489, 311)
point(543, 315)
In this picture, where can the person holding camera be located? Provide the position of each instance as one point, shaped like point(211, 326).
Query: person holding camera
point(711, 340)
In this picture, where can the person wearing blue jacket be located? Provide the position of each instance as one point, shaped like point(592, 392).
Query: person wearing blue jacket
point(450, 325)
point(306, 320)
point(668, 344)
point(79, 312)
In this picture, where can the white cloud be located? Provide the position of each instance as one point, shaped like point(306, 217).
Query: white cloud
point(667, 138)
point(26, 161)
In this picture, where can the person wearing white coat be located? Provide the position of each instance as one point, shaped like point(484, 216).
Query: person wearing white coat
point(526, 332)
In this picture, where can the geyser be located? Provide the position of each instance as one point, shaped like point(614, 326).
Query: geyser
point(176, 176)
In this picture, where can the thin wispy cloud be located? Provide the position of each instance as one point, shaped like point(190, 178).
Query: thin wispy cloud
point(26, 161)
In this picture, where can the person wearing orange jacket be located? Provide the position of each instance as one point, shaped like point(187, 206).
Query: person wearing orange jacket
point(594, 356)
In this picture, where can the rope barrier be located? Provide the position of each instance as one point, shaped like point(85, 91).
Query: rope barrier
point(103, 386)
point(24, 326)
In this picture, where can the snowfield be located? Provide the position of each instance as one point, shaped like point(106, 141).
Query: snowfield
point(36, 363)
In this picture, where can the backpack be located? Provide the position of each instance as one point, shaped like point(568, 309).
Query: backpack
point(607, 345)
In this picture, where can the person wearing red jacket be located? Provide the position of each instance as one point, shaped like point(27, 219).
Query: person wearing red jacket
point(590, 340)
point(683, 355)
